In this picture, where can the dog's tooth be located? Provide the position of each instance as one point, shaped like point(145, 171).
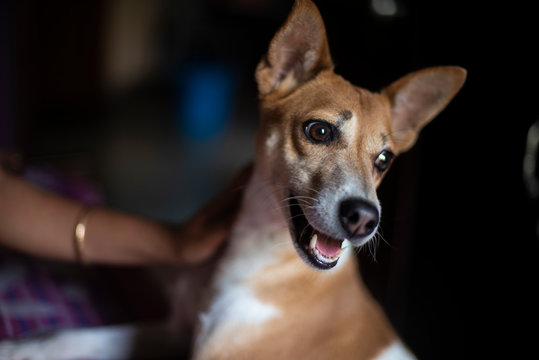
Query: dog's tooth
point(312, 244)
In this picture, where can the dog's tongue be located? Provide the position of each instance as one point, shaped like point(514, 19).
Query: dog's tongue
point(327, 246)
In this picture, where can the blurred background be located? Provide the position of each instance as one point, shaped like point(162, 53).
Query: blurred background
point(150, 106)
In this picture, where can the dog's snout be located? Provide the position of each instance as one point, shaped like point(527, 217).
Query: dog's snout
point(358, 217)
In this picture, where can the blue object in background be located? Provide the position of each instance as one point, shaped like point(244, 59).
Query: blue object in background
point(205, 97)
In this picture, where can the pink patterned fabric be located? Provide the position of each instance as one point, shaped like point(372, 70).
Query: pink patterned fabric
point(34, 299)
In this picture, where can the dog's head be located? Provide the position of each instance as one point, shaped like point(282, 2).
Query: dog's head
point(325, 144)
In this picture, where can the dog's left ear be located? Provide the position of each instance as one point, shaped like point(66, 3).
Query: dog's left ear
point(298, 51)
point(418, 97)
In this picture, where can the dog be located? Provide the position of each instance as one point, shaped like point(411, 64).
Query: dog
point(287, 285)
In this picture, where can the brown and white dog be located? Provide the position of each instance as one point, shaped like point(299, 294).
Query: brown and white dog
point(287, 285)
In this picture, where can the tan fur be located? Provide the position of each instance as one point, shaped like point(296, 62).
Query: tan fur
point(349, 323)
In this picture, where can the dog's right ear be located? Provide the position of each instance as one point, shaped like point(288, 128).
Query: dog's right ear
point(297, 52)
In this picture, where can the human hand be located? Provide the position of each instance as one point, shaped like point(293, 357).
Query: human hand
point(201, 236)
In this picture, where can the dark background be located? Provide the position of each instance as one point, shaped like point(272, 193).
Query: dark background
point(458, 271)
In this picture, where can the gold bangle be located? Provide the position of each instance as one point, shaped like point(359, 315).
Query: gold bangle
point(80, 234)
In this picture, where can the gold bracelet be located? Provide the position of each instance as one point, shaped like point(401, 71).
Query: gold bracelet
point(80, 234)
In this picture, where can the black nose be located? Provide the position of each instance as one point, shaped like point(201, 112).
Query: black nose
point(358, 217)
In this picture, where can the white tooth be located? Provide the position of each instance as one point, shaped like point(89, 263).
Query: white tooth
point(312, 244)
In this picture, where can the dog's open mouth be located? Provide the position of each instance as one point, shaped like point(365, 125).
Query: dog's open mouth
point(317, 249)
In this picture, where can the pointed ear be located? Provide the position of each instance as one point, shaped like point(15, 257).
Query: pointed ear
point(297, 52)
point(418, 97)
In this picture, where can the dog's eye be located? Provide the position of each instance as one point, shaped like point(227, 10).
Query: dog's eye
point(319, 131)
point(383, 161)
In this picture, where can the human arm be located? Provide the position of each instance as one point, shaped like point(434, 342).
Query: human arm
point(41, 223)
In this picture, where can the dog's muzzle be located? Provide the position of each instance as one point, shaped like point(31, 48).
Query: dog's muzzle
point(358, 218)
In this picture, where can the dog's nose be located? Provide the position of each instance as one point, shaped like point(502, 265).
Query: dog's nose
point(358, 217)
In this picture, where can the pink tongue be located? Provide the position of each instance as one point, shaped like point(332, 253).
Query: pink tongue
point(327, 246)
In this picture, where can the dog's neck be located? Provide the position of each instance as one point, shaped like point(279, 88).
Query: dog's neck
point(255, 242)
point(261, 210)
point(261, 236)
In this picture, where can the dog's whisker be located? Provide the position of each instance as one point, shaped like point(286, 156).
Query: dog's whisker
point(381, 237)
point(297, 197)
point(303, 200)
point(373, 246)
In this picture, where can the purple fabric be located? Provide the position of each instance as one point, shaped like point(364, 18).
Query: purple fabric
point(36, 299)
point(38, 296)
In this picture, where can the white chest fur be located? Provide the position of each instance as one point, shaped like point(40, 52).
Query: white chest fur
point(235, 305)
